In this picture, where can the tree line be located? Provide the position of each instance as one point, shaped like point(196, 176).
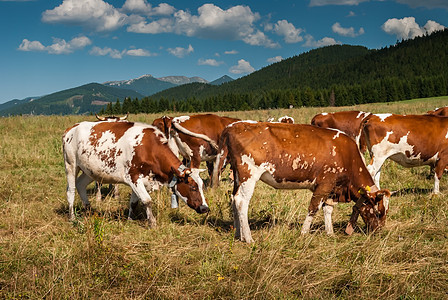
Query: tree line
point(382, 90)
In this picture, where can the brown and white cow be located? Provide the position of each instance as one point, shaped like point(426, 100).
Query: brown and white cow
point(135, 154)
point(409, 140)
point(293, 156)
point(195, 137)
point(441, 112)
point(350, 122)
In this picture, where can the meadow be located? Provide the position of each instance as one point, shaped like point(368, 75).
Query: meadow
point(102, 255)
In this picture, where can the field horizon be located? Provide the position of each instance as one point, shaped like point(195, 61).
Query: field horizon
point(102, 255)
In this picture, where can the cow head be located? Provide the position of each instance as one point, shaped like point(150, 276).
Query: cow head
point(163, 124)
point(188, 186)
point(373, 208)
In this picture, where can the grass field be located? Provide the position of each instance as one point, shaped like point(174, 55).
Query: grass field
point(190, 256)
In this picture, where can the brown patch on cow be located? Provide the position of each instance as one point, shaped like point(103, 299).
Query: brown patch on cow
point(117, 129)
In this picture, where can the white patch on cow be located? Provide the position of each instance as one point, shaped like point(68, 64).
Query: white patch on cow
point(195, 176)
point(360, 114)
point(181, 119)
point(243, 121)
point(446, 136)
point(383, 116)
point(333, 151)
point(324, 114)
point(337, 134)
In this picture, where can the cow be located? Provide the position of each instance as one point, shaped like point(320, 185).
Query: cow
point(350, 122)
point(409, 140)
point(195, 137)
point(296, 156)
point(135, 154)
point(441, 112)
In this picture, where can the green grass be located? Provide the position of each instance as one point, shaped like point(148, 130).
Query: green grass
point(191, 256)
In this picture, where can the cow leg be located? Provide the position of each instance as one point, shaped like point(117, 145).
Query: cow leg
point(98, 191)
point(438, 172)
point(116, 191)
point(240, 202)
point(141, 193)
point(132, 205)
point(328, 210)
point(320, 194)
point(81, 185)
point(70, 172)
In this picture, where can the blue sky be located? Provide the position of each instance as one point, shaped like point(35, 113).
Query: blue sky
point(48, 46)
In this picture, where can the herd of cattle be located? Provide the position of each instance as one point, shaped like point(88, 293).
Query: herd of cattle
point(325, 157)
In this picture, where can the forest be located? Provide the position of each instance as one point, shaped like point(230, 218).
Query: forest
point(337, 75)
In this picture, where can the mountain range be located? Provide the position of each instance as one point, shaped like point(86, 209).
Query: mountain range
point(93, 96)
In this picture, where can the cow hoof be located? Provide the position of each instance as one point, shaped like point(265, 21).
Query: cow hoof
point(349, 230)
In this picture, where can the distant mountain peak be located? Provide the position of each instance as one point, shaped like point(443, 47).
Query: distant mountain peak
point(178, 80)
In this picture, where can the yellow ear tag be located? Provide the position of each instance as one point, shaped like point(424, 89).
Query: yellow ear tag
point(361, 191)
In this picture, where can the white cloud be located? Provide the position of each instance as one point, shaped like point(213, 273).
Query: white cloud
point(350, 32)
point(335, 2)
point(139, 52)
point(106, 51)
point(351, 14)
point(59, 46)
point(27, 45)
point(407, 28)
point(211, 22)
point(290, 33)
point(326, 41)
point(180, 52)
point(95, 15)
point(209, 62)
point(231, 52)
point(427, 3)
point(242, 67)
point(274, 59)
point(145, 8)
point(117, 54)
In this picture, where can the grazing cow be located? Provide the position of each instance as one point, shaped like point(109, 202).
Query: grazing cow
point(293, 156)
point(135, 154)
point(350, 122)
point(409, 140)
point(194, 137)
point(441, 112)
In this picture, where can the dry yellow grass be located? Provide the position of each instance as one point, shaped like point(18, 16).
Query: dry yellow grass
point(190, 256)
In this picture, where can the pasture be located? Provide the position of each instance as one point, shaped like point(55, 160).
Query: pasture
point(102, 255)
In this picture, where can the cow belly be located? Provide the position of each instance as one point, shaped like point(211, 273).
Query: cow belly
point(287, 185)
point(410, 162)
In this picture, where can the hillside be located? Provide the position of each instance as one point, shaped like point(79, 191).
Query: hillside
point(80, 100)
point(145, 85)
point(354, 74)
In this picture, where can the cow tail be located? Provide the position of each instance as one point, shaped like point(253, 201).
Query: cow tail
point(364, 138)
point(220, 160)
point(196, 135)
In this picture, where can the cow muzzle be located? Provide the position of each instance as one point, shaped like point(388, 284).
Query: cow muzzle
point(202, 209)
